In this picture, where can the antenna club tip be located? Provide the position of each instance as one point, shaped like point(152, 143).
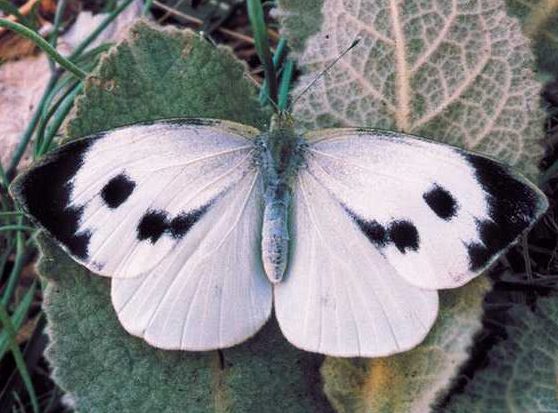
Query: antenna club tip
point(355, 42)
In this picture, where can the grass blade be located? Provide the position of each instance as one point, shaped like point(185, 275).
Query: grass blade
point(256, 16)
point(18, 357)
point(17, 318)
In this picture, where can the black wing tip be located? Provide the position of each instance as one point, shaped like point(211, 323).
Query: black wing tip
point(515, 205)
point(43, 191)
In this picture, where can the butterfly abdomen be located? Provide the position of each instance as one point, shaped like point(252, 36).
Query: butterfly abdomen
point(275, 233)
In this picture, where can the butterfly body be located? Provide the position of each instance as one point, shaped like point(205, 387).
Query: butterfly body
point(206, 225)
point(279, 158)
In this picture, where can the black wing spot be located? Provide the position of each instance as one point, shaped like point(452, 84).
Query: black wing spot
point(152, 225)
point(404, 235)
point(117, 190)
point(45, 193)
point(374, 231)
point(155, 223)
point(441, 201)
point(491, 236)
point(181, 224)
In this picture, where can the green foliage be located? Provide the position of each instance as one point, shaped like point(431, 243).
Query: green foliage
point(163, 74)
point(539, 20)
point(299, 20)
point(522, 372)
point(156, 74)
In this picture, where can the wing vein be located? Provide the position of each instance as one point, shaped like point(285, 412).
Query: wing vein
point(132, 216)
point(170, 287)
point(333, 254)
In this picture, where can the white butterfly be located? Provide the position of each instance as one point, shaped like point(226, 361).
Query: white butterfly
point(202, 224)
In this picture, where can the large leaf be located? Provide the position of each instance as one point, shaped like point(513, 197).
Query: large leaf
point(522, 372)
point(539, 19)
point(455, 71)
point(163, 73)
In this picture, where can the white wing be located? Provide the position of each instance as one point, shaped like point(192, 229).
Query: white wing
point(120, 201)
point(380, 220)
point(172, 211)
point(212, 291)
point(340, 296)
point(438, 214)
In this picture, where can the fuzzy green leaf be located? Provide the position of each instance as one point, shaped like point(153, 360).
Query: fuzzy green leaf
point(522, 372)
point(411, 381)
point(458, 72)
point(539, 19)
point(154, 74)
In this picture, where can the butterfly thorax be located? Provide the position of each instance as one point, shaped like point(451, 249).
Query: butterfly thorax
point(280, 156)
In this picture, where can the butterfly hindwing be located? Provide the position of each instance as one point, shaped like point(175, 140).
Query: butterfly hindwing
point(440, 215)
point(212, 291)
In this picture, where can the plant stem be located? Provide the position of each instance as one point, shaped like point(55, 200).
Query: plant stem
point(39, 140)
point(16, 269)
point(16, 228)
point(278, 57)
point(146, 7)
point(285, 84)
point(18, 357)
point(9, 8)
point(256, 15)
point(53, 40)
point(63, 109)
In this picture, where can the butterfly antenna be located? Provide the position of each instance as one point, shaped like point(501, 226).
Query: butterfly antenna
point(323, 72)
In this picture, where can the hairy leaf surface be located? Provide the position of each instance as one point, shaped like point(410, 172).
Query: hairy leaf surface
point(456, 71)
point(522, 373)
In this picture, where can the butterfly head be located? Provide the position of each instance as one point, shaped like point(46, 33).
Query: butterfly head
point(281, 120)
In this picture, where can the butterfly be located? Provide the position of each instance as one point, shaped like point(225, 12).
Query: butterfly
point(205, 225)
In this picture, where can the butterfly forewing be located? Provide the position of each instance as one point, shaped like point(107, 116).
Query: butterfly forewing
point(438, 214)
point(119, 202)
